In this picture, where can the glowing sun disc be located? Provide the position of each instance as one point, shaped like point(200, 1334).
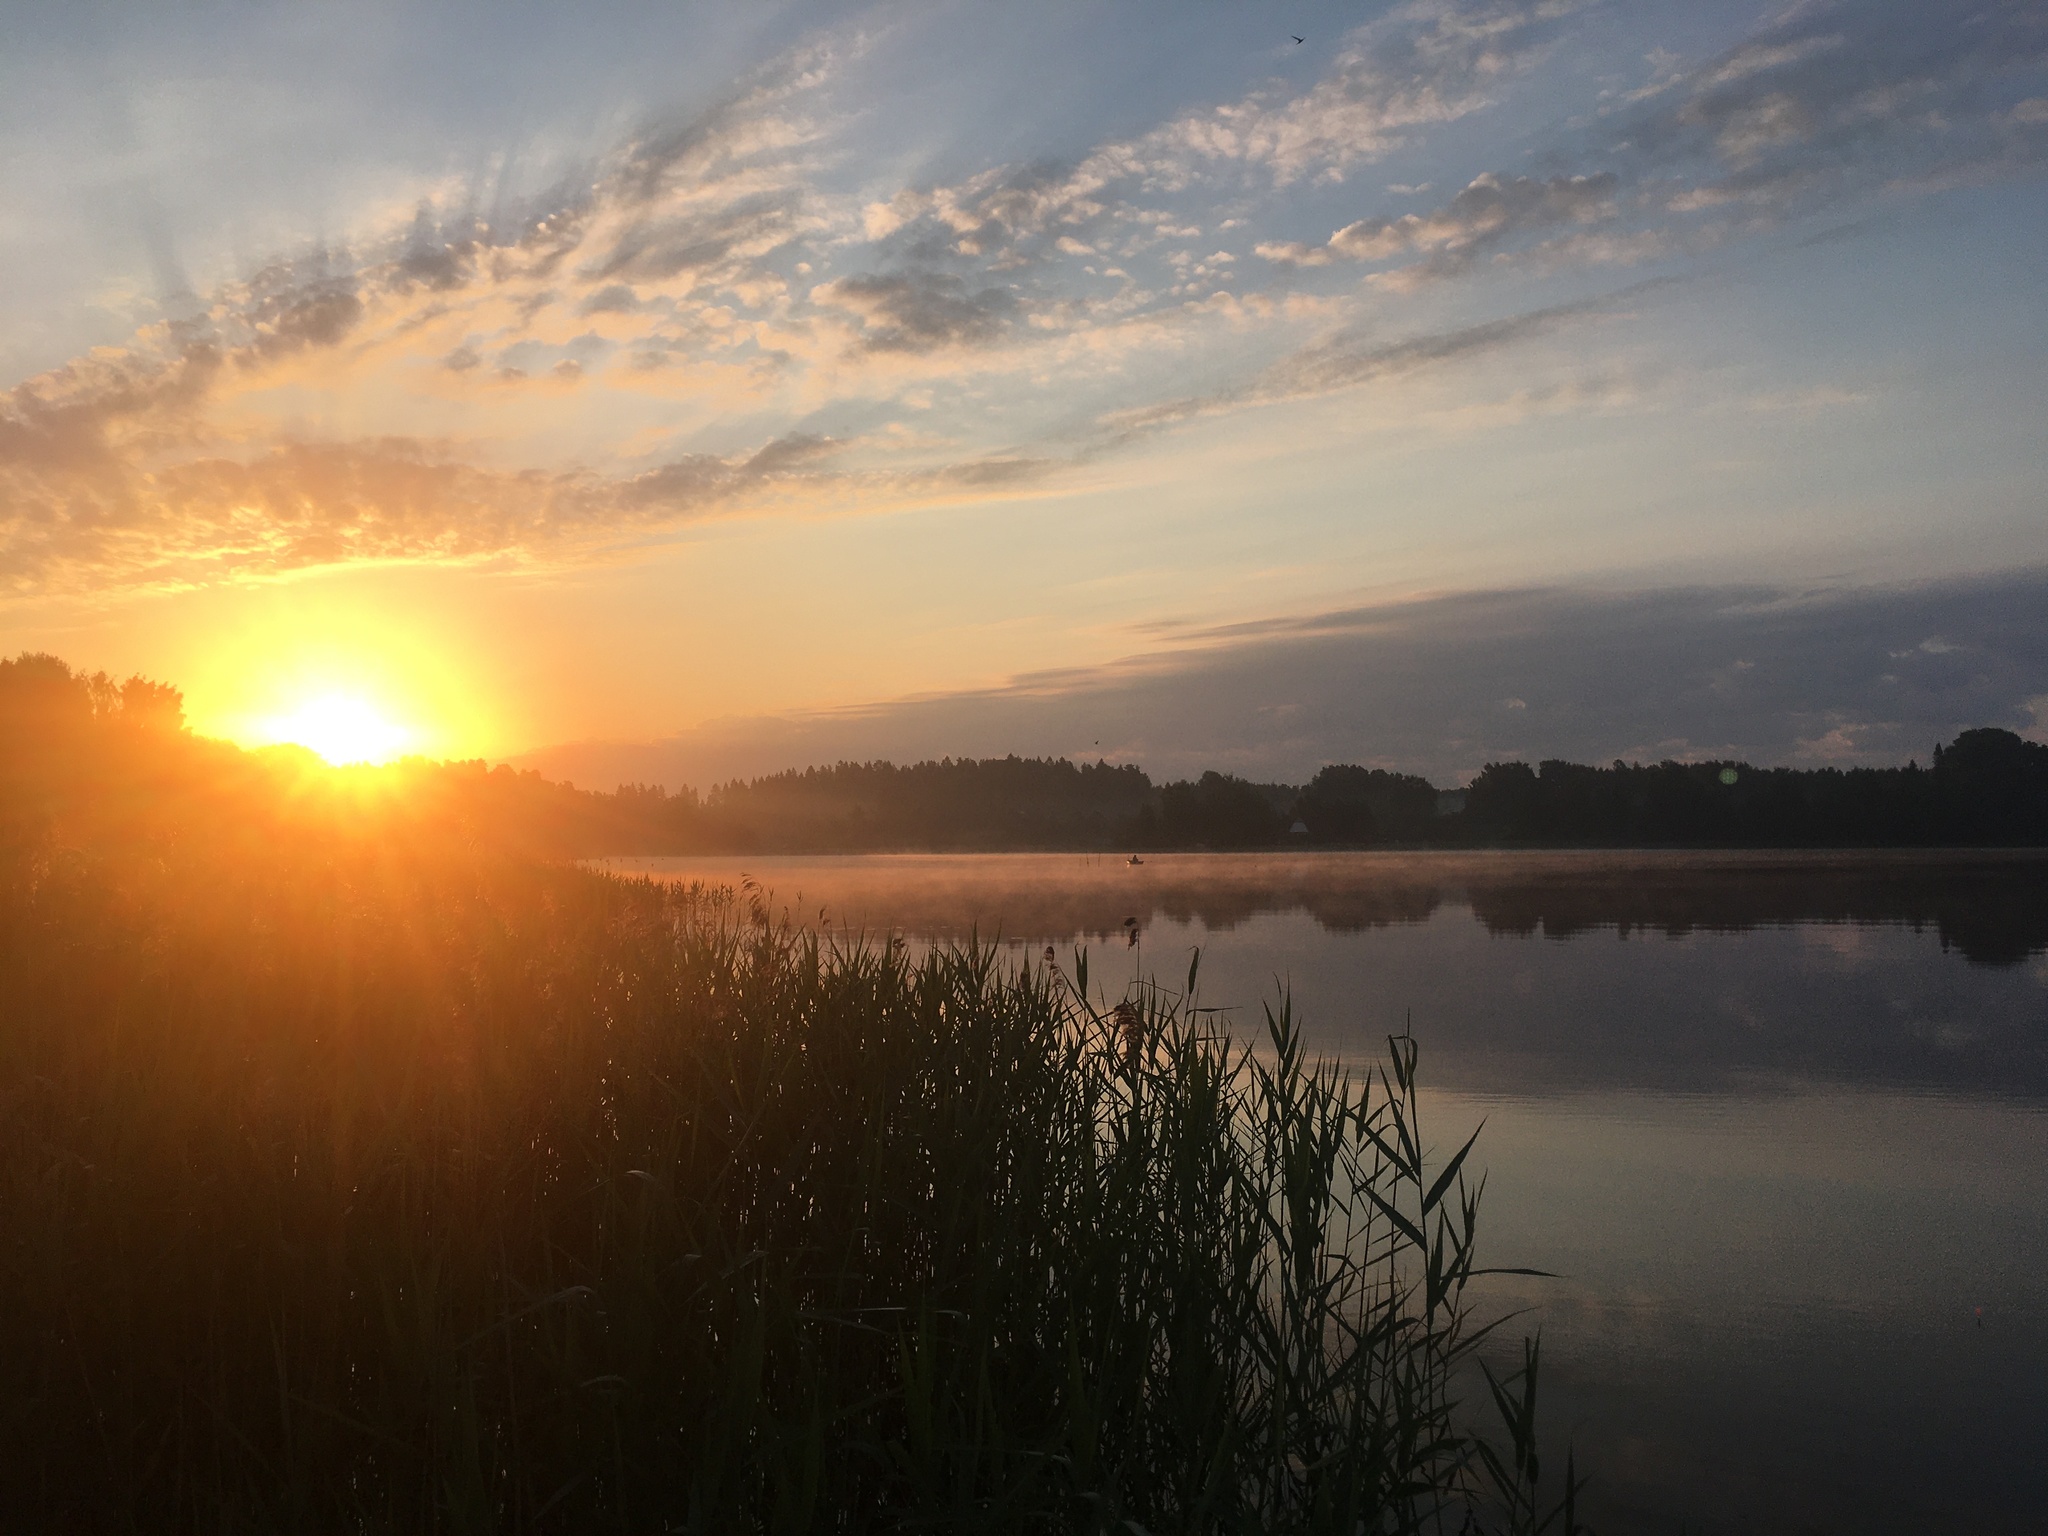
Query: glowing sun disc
point(342, 729)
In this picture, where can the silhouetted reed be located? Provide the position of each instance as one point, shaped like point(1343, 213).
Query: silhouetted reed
point(351, 1191)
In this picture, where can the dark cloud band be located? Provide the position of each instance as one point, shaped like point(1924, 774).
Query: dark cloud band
point(1445, 685)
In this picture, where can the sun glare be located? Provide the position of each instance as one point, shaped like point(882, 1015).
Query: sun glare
point(342, 728)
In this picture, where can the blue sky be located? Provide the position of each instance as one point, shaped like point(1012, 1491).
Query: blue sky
point(620, 373)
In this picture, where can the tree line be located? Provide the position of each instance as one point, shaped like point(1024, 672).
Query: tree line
point(84, 756)
point(1988, 787)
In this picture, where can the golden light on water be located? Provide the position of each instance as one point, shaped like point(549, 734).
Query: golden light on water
point(343, 728)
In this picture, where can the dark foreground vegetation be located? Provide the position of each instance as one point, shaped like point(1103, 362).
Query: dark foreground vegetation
point(359, 1174)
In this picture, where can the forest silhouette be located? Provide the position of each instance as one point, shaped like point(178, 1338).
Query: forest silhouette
point(99, 762)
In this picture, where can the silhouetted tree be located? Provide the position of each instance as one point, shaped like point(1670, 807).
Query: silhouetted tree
point(1993, 788)
point(1503, 801)
point(1219, 810)
point(1348, 804)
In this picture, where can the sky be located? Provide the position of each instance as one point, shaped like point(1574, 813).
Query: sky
point(679, 391)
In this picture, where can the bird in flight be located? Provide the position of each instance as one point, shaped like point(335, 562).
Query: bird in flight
point(1298, 39)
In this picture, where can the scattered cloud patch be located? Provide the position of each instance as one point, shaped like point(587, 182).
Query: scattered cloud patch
point(921, 311)
point(1488, 213)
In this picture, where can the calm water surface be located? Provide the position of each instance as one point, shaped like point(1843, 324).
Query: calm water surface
point(1779, 1122)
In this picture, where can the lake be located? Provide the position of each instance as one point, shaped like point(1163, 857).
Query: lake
point(1778, 1122)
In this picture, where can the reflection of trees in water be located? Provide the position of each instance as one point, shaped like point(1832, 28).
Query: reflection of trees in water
point(1994, 914)
point(1991, 908)
point(1598, 1016)
point(1338, 911)
point(1034, 911)
point(1994, 911)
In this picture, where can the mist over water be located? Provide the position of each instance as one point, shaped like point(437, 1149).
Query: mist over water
point(1777, 1122)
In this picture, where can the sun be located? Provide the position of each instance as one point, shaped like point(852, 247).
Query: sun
point(343, 728)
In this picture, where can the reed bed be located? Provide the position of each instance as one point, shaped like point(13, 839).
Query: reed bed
point(365, 1193)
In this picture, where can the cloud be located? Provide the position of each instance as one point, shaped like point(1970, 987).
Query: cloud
point(718, 273)
point(1489, 212)
point(1422, 65)
point(1823, 103)
point(1433, 686)
point(305, 504)
point(1347, 360)
point(1344, 361)
point(165, 460)
point(283, 309)
point(613, 299)
point(309, 504)
point(921, 311)
point(1831, 99)
point(116, 471)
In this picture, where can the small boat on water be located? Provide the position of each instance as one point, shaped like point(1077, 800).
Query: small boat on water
point(1134, 859)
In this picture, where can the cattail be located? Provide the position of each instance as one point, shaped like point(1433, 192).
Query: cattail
point(1130, 1026)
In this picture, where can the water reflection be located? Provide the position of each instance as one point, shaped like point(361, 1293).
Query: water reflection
point(1780, 1123)
point(1991, 906)
point(1530, 972)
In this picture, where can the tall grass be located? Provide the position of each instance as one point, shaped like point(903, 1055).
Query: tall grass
point(357, 1194)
